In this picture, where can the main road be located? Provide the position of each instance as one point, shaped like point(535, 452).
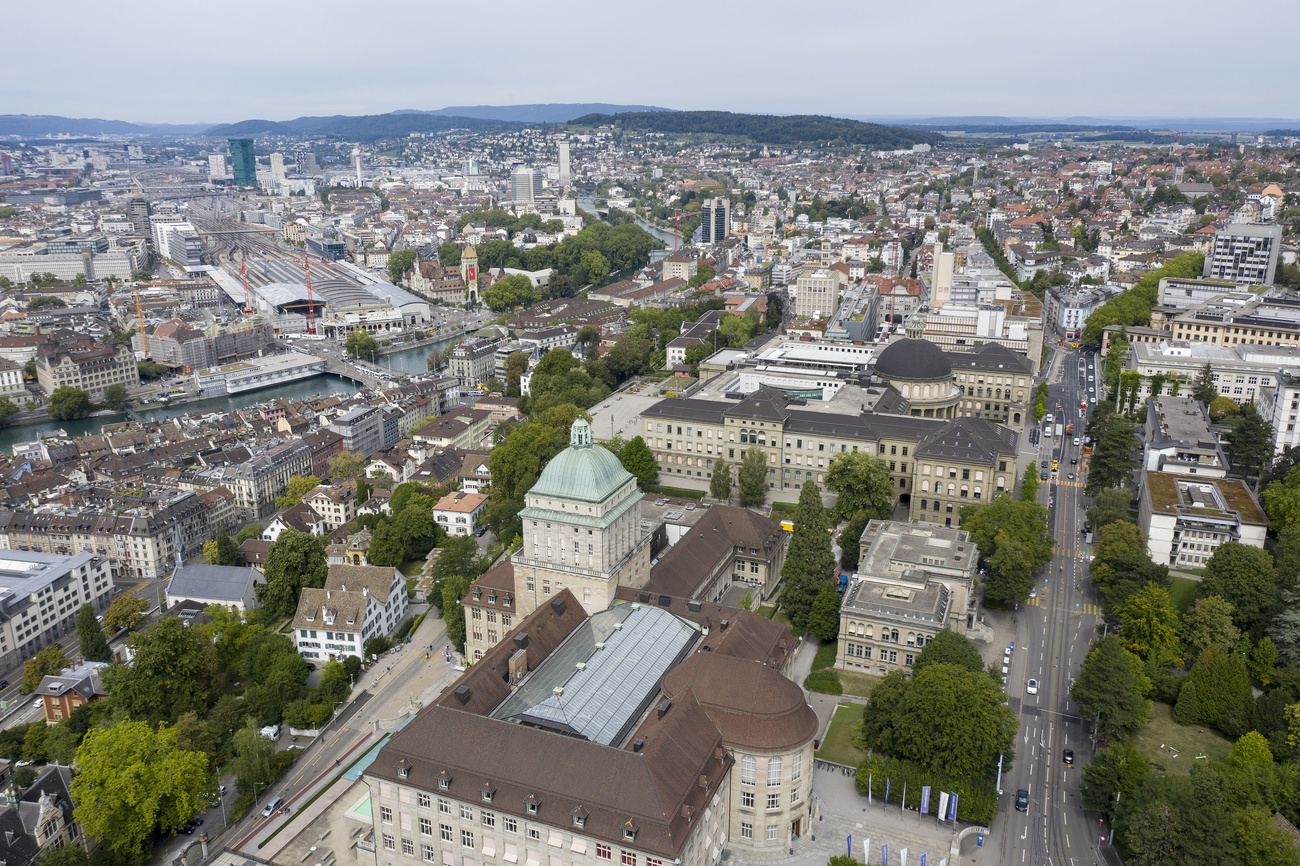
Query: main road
point(1053, 633)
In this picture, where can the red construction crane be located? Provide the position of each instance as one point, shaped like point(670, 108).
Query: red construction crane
point(311, 312)
point(243, 277)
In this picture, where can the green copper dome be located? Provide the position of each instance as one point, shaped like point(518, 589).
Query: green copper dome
point(582, 471)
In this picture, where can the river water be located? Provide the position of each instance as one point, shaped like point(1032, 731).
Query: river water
point(406, 361)
point(585, 202)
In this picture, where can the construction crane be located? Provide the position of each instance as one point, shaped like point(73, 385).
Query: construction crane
point(139, 318)
point(311, 312)
point(248, 308)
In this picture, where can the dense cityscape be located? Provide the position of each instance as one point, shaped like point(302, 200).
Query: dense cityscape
point(932, 491)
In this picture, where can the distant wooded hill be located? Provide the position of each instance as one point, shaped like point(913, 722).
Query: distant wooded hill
point(788, 131)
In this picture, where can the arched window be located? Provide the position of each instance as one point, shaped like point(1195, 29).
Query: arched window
point(927, 390)
point(977, 493)
point(1001, 482)
point(924, 504)
point(965, 491)
point(894, 635)
point(925, 486)
point(869, 631)
point(952, 488)
point(747, 768)
point(773, 772)
point(936, 505)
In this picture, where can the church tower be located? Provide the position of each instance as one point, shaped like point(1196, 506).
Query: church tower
point(469, 272)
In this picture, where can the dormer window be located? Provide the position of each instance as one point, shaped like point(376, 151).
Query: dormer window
point(403, 768)
point(492, 598)
point(629, 830)
point(532, 803)
point(579, 816)
point(505, 601)
point(444, 780)
point(476, 595)
point(487, 791)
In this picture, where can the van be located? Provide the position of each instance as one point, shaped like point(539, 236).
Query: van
point(271, 731)
point(272, 806)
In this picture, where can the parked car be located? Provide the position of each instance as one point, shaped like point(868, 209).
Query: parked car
point(1022, 800)
point(1032, 687)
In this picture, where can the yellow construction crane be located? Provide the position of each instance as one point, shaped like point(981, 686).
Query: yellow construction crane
point(139, 318)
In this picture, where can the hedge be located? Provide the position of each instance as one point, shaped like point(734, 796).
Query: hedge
point(825, 657)
point(825, 681)
point(977, 800)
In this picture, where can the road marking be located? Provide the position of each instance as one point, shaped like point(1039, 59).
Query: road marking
point(1067, 840)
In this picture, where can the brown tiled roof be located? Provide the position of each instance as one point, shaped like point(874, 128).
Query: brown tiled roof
point(497, 583)
point(375, 578)
point(716, 535)
point(753, 705)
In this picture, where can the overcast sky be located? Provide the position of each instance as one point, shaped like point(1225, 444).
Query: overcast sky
point(233, 60)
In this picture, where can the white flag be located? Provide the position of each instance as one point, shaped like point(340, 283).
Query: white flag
point(902, 857)
point(943, 805)
point(866, 851)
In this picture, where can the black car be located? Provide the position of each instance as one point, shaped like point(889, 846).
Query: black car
point(1074, 460)
point(1022, 800)
point(188, 829)
point(1069, 757)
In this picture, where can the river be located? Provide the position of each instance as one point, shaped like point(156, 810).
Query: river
point(406, 361)
point(586, 203)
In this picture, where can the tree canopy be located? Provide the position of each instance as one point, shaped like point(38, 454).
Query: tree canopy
point(294, 560)
point(1013, 540)
point(862, 484)
point(809, 566)
point(1111, 687)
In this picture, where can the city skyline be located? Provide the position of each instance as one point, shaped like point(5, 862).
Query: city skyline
point(894, 62)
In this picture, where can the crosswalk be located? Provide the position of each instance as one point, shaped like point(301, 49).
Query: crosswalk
point(1065, 482)
point(1079, 609)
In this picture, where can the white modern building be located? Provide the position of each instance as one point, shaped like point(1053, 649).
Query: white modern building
point(1187, 519)
point(1245, 254)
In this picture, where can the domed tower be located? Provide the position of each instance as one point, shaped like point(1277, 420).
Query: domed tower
point(581, 528)
point(920, 371)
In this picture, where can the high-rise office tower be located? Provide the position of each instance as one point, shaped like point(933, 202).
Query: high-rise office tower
point(277, 166)
point(566, 176)
point(1244, 253)
point(470, 167)
point(243, 161)
point(717, 220)
point(525, 184)
point(137, 211)
point(217, 166)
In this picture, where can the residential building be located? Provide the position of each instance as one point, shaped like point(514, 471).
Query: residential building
point(80, 361)
point(1280, 407)
point(40, 596)
point(722, 759)
point(967, 460)
point(357, 603)
point(728, 545)
point(716, 224)
point(1246, 373)
point(913, 581)
point(472, 361)
point(243, 162)
point(458, 513)
point(228, 586)
point(40, 818)
point(73, 687)
point(1245, 254)
point(1067, 308)
point(1177, 438)
point(459, 428)
point(257, 482)
point(337, 506)
point(362, 430)
point(1187, 519)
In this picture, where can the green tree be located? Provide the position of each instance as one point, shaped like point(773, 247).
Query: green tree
point(252, 530)
point(1114, 455)
point(68, 403)
point(298, 487)
point(851, 540)
point(115, 397)
point(881, 717)
point(294, 560)
point(949, 648)
point(228, 551)
point(1244, 577)
point(360, 344)
point(1250, 750)
point(752, 478)
point(252, 762)
point(1110, 505)
point(824, 617)
point(1208, 624)
point(1150, 623)
point(516, 365)
point(1250, 443)
point(637, 458)
point(596, 267)
point(1263, 658)
point(61, 744)
point(34, 742)
point(1111, 688)
point(1259, 841)
point(399, 263)
point(453, 613)
point(1112, 364)
point(126, 612)
point(1012, 537)
point(1203, 385)
point(91, 636)
point(1222, 686)
point(133, 781)
point(1188, 708)
point(346, 465)
point(172, 673)
point(720, 483)
point(8, 409)
point(1183, 819)
point(1116, 769)
point(47, 662)
point(386, 547)
point(1029, 484)
point(954, 721)
point(861, 483)
point(809, 565)
point(1223, 408)
point(195, 735)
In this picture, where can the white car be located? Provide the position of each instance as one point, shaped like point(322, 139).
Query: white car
point(1032, 687)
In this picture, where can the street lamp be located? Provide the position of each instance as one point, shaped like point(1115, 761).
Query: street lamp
point(225, 822)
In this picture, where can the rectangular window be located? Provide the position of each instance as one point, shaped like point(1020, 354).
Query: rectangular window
point(774, 800)
point(428, 852)
point(628, 858)
point(747, 799)
point(385, 814)
point(510, 825)
point(467, 838)
point(408, 847)
point(426, 827)
point(389, 843)
point(603, 852)
point(424, 800)
point(796, 767)
point(444, 806)
point(746, 830)
point(466, 812)
point(771, 832)
point(489, 818)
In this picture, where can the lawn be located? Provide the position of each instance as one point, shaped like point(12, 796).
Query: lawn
point(1181, 592)
point(838, 744)
point(411, 568)
point(856, 683)
point(1187, 740)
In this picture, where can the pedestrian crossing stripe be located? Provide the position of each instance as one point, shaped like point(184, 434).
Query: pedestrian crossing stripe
point(1068, 483)
point(1090, 609)
point(1033, 601)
